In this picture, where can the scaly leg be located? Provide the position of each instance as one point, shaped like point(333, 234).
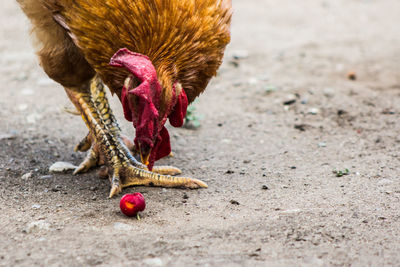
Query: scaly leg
point(127, 170)
point(95, 157)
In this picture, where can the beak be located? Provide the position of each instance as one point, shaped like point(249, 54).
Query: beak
point(144, 154)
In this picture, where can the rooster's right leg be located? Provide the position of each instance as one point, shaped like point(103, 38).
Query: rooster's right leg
point(126, 170)
point(95, 158)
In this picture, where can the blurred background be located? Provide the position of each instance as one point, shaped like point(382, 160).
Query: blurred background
point(299, 141)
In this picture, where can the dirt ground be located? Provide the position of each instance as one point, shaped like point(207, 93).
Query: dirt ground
point(279, 118)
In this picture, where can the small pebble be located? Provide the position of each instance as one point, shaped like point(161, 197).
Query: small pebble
point(301, 127)
point(26, 176)
point(62, 166)
point(270, 89)
point(387, 111)
point(290, 99)
point(153, 262)
point(289, 102)
point(322, 144)
point(36, 226)
point(328, 92)
point(122, 226)
point(313, 111)
point(351, 75)
point(234, 202)
point(46, 177)
point(253, 81)
point(240, 54)
point(7, 136)
point(291, 211)
point(56, 188)
point(234, 63)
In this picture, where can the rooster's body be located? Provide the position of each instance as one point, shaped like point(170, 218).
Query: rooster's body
point(171, 50)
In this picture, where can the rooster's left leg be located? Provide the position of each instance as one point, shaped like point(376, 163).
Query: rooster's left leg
point(127, 170)
point(94, 156)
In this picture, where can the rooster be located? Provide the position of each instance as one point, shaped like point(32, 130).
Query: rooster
point(157, 56)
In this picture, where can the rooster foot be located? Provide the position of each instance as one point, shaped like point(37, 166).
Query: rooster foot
point(128, 175)
point(107, 145)
point(95, 158)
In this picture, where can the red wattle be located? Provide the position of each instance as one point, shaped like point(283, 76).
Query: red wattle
point(162, 147)
point(177, 116)
point(141, 104)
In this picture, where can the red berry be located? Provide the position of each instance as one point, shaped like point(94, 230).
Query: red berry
point(131, 204)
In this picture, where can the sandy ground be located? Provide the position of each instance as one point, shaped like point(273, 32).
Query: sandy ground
point(273, 199)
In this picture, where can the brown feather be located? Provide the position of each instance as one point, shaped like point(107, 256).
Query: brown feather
point(185, 39)
point(58, 55)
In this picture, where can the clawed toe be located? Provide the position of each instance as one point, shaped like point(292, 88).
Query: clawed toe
point(116, 187)
point(93, 157)
point(85, 144)
point(196, 183)
point(91, 160)
point(166, 170)
point(135, 176)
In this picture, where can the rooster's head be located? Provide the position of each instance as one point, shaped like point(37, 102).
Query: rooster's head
point(141, 105)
